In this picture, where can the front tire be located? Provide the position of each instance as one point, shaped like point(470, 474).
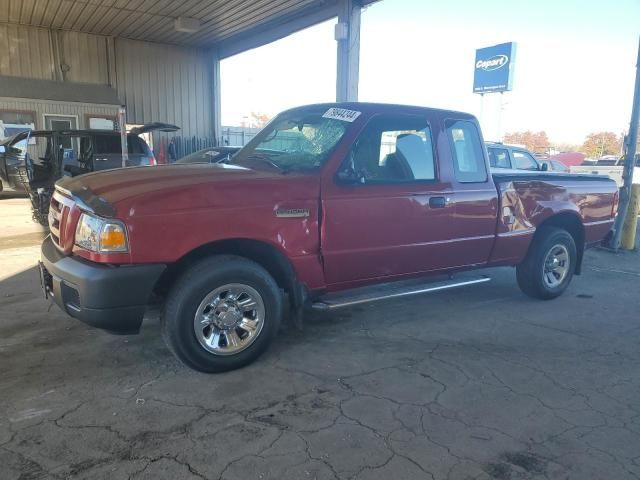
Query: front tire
point(550, 263)
point(222, 314)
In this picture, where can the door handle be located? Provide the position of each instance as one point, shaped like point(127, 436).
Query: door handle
point(101, 159)
point(438, 202)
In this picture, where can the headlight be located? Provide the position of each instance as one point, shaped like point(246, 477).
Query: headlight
point(101, 235)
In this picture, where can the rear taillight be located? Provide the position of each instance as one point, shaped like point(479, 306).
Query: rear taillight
point(616, 203)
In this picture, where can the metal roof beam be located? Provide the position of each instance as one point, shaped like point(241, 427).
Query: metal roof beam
point(271, 31)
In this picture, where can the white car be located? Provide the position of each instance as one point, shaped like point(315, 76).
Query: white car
point(612, 171)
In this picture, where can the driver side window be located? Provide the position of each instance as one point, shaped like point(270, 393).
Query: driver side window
point(394, 149)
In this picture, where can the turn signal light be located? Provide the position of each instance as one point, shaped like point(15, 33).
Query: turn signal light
point(113, 238)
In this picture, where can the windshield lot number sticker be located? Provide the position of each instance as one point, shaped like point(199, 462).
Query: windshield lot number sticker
point(341, 114)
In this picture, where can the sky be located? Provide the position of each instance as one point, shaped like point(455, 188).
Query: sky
point(574, 69)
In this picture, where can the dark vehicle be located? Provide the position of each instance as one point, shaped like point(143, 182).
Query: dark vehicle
point(33, 161)
point(10, 180)
point(210, 155)
point(328, 206)
point(512, 157)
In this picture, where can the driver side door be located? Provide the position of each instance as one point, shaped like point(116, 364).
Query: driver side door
point(395, 216)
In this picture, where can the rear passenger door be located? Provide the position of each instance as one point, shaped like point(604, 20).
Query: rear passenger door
point(107, 152)
point(476, 198)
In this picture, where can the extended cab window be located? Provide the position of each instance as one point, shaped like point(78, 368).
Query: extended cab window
point(468, 160)
point(524, 161)
point(394, 149)
point(498, 157)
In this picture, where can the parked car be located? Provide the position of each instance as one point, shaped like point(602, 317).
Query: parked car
point(8, 172)
point(335, 205)
point(33, 160)
point(502, 156)
point(210, 155)
point(553, 165)
point(569, 158)
point(611, 168)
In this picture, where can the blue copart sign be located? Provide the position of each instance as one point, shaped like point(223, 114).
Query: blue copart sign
point(493, 69)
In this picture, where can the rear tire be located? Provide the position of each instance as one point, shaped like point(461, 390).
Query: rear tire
point(222, 314)
point(550, 263)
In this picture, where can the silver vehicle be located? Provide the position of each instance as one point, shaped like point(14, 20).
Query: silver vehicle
point(511, 157)
point(554, 165)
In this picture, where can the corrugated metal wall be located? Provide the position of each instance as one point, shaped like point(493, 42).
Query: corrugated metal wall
point(26, 52)
point(86, 55)
point(156, 82)
point(165, 83)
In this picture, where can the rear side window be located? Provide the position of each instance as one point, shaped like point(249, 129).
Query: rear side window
point(498, 157)
point(107, 144)
point(135, 145)
point(112, 144)
point(524, 161)
point(468, 160)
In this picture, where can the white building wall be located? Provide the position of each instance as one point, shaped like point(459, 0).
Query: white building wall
point(44, 107)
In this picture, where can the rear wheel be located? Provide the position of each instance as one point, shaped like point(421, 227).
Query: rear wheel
point(222, 314)
point(548, 268)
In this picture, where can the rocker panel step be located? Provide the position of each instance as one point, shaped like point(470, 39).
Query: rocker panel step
point(358, 296)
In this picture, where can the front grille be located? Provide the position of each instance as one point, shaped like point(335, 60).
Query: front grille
point(58, 216)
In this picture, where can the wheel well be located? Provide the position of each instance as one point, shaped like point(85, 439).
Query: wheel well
point(572, 223)
point(265, 255)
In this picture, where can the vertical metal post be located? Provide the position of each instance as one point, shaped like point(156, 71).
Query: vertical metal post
point(122, 123)
point(500, 109)
point(629, 162)
point(348, 39)
point(216, 98)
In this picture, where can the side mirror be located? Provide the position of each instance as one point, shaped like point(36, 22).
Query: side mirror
point(3, 149)
point(544, 167)
point(349, 176)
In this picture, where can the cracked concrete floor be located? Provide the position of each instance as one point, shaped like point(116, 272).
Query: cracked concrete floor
point(479, 383)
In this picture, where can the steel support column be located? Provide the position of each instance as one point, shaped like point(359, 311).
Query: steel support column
point(216, 96)
point(348, 38)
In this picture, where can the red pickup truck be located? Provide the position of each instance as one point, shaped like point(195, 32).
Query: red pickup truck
point(328, 206)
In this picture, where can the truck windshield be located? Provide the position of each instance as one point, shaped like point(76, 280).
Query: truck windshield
point(300, 140)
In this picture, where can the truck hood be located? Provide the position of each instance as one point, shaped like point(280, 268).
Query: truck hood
point(168, 188)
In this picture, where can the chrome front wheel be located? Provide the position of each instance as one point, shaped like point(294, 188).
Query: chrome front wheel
point(229, 319)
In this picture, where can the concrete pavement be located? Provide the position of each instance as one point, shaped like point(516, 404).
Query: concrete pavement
point(481, 382)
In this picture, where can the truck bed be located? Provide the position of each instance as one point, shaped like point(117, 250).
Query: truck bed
point(501, 177)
